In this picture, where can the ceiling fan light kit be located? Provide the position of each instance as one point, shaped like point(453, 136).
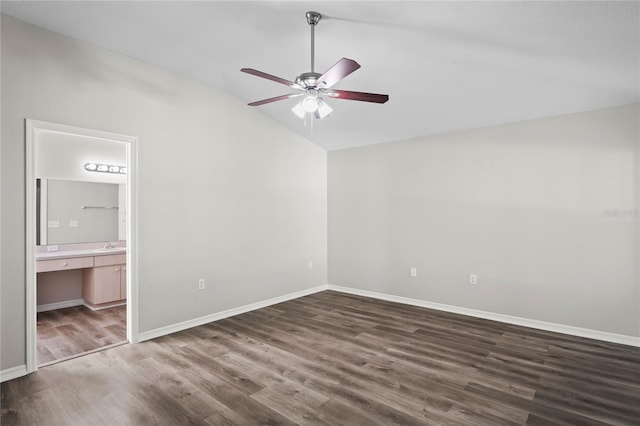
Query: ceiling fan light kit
point(313, 85)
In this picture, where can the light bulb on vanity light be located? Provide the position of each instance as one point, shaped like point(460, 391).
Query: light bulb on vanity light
point(105, 168)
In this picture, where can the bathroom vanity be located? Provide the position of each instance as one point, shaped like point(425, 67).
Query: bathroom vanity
point(102, 272)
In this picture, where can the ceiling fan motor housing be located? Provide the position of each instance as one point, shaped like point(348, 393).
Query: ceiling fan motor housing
point(308, 80)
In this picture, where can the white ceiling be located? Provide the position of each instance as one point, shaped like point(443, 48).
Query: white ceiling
point(447, 66)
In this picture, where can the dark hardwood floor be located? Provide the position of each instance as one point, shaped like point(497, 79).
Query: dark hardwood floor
point(69, 332)
point(337, 359)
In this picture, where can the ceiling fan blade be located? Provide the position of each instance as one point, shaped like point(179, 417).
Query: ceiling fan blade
point(340, 70)
point(359, 96)
point(277, 98)
point(269, 77)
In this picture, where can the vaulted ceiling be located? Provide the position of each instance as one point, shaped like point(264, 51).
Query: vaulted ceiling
point(447, 66)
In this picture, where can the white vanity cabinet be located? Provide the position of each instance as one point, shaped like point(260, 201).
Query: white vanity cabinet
point(106, 282)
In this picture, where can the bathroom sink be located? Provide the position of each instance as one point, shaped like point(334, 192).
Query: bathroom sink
point(110, 250)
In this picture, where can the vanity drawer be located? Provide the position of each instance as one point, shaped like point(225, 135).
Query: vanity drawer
point(64, 264)
point(112, 259)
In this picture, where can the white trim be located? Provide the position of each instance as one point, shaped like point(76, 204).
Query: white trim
point(31, 128)
point(13, 373)
point(132, 240)
point(637, 254)
point(105, 306)
point(525, 322)
point(60, 305)
point(30, 243)
point(44, 211)
point(173, 328)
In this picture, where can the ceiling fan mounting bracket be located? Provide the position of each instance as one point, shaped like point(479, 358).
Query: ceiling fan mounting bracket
point(313, 17)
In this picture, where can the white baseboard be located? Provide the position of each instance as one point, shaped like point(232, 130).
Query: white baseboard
point(60, 305)
point(13, 373)
point(541, 325)
point(105, 306)
point(173, 328)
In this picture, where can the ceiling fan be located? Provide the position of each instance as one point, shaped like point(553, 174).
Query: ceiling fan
point(313, 85)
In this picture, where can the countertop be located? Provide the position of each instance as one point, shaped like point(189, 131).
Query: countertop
point(63, 254)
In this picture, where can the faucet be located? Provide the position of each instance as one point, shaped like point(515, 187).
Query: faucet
point(109, 245)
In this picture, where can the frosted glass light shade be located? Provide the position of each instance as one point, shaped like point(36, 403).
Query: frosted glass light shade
point(312, 105)
point(298, 110)
point(323, 110)
point(309, 104)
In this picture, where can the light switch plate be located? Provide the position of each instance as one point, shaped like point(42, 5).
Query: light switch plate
point(53, 224)
point(73, 224)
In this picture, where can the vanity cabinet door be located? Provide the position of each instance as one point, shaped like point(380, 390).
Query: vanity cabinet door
point(102, 284)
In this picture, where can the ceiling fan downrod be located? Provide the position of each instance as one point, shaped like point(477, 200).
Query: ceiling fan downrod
point(312, 19)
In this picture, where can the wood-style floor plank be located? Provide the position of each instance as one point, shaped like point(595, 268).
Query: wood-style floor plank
point(69, 332)
point(333, 359)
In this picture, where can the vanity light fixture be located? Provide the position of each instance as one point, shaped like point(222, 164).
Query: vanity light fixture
point(105, 168)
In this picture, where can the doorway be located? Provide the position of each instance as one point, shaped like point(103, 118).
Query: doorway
point(81, 241)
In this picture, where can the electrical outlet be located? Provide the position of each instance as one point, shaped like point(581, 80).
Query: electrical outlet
point(310, 264)
point(201, 284)
point(473, 279)
point(413, 272)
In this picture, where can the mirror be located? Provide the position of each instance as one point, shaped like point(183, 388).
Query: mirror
point(79, 212)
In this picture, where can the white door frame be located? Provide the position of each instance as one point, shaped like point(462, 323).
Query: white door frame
point(33, 129)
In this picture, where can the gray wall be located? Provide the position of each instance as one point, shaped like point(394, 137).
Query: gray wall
point(225, 193)
point(545, 212)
